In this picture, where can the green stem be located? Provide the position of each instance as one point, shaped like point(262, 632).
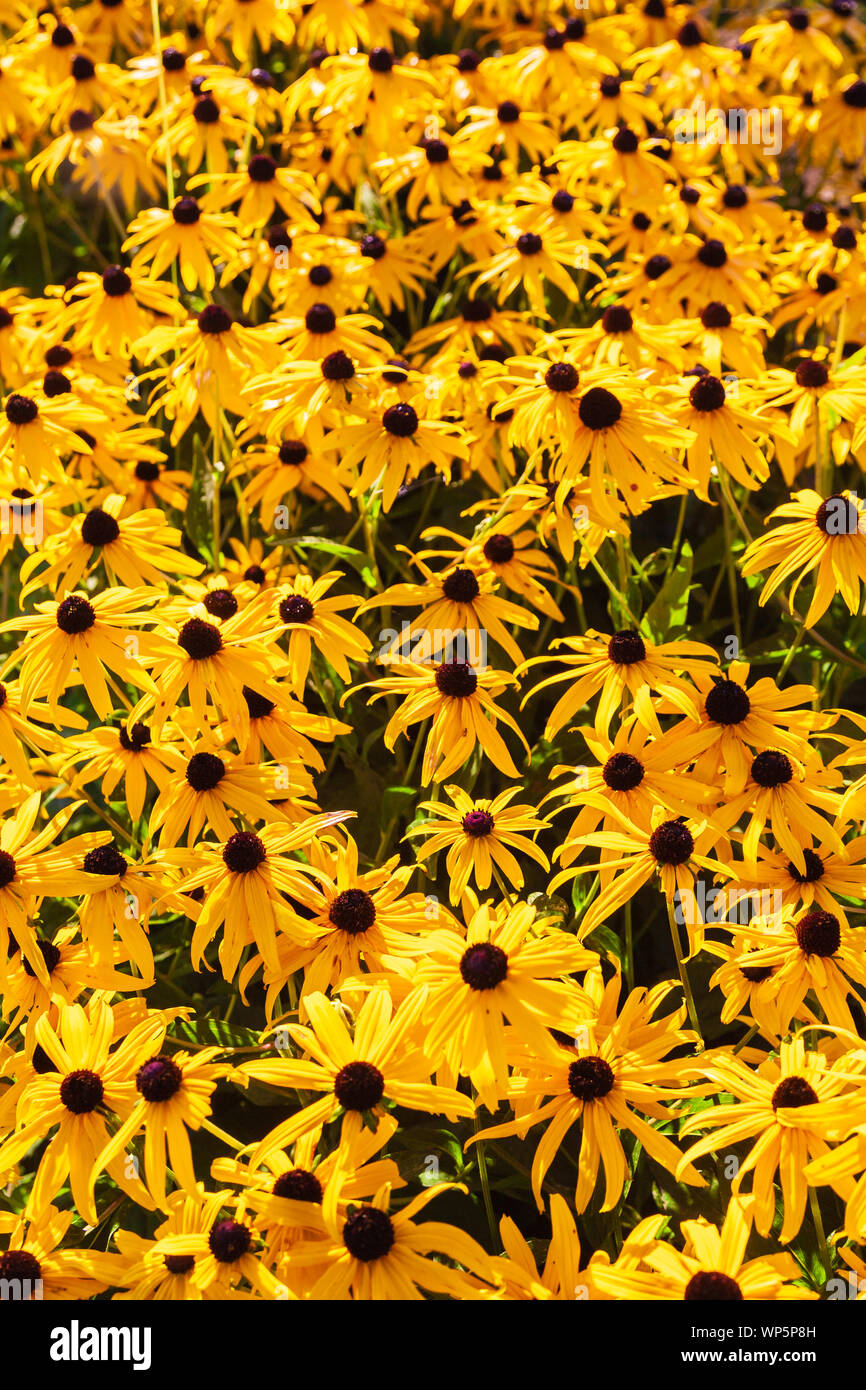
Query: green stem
point(481, 1159)
point(684, 978)
point(823, 1248)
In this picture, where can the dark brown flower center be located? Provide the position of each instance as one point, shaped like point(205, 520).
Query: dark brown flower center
point(293, 451)
point(707, 394)
point(756, 974)
point(56, 383)
point(715, 315)
point(75, 615)
point(116, 282)
point(814, 868)
point(561, 376)
point(727, 702)
point(529, 244)
point(622, 772)
point(159, 1079)
point(712, 254)
point(352, 911)
point(243, 852)
point(19, 1265)
point(206, 111)
point(617, 319)
point(625, 141)
point(373, 247)
point(590, 1078)
point(320, 318)
point(401, 420)
point(261, 168)
point(476, 310)
point(359, 1086)
point(7, 868)
point(368, 1234)
point(484, 966)
point(599, 409)
point(186, 212)
point(135, 739)
point(656, 266)
point(50, 954)
point(338, 366)
point(772, 769)
point(461, 586)
point(220, 603)
point(456, 680)
point(792, 1092)
point(498, 549)
point(228, 1241)
point(257, 705)
point(710, 1286)
point(819, 933)
point(838, 516)
point(204, 771)
point(381, 60)
point(106, 860)
point(199, 639)
point(81, 1091)
point(296, 609)
point(671, 843)
point(99, 528)
point(436, 151)
point(21, 410)
point(298, 1185)
point(626, 647)
point(811, 374)
point(477, 824)
point(214, 319)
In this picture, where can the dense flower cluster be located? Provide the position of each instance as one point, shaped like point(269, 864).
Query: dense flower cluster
point(432, 712)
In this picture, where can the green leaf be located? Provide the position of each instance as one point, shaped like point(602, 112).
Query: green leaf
point(199, 508)
point(356, 558)
point(214, 1032)
point(669, 608)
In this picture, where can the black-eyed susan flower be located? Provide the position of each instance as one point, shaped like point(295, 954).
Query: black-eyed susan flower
point(603, 1081)
point(481, 836)
point(461, 702)
point(671, 850)
point(626, 662)
point(711, 1267)
point(809, 953)
point(459, 601)
point(30, 863)
point(736, 720)
point(187, 234)
point(311, 618)
point(136, 550)
point(38, 1267)
point(510, 964)
point(826, 536)
point(208, 1239)
point(389, 450)
point(174, 1097)
point(789, 1106)
point(89, 1080)
point(243, 881)
point(90, 634)
point(372, 1254)
point(383, 1061)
